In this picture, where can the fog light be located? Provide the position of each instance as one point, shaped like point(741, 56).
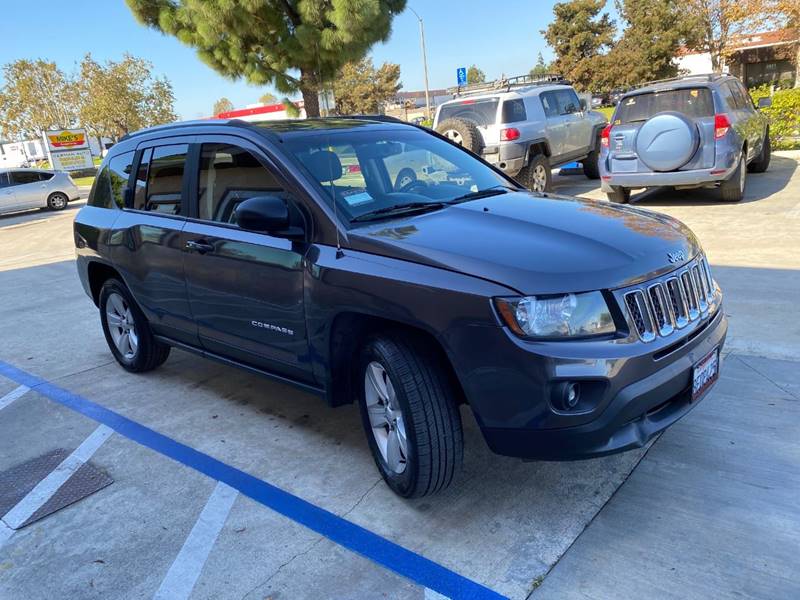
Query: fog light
point(572, 395)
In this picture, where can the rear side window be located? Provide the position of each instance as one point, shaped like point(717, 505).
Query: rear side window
point(482, 111)
point(46, 176)
point(4, 180)
point(514, 111)
point(228, 175)
point(159, 180)
point(693, 102)
point(568, 102)
point(23, 177)
point(100, 195)
point(119, 171)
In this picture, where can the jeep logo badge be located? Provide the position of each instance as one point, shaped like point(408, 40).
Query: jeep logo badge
point(676, 257)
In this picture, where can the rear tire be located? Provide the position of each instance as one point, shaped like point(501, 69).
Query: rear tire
point(761, 164)
point(732, 189)
point(411, 409)
point(127, 331)
point(57, 201)
point(463, 132)
point(536, 175)
point(591, 164)
point(619, 195)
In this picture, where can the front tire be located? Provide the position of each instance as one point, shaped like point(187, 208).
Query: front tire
point(127, 331)
point(537, 175)
point(761, 164)
point(410, 415)
point(57, 201)
point(732, 189)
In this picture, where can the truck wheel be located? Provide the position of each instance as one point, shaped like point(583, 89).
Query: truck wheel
point(462, 132)
point(591, 164)
point(761, 164)
point(410, 416)
point(732, 189)
point(619, 195)
point(127, 331)
point(536, 175)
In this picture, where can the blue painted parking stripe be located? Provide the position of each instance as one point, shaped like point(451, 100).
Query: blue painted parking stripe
point(402, 561)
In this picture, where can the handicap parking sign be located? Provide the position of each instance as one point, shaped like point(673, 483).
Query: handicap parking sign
point(461, 74)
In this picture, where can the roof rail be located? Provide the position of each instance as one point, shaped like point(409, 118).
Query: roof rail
point(182, 124)
point(702, 76)
point(382, 118)
point(505, 84)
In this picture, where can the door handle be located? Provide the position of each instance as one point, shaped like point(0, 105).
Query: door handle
point(199, 246)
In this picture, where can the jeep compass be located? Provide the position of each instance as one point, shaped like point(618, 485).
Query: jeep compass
point(303, 251)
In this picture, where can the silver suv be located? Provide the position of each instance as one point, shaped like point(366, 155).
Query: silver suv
point(693, 131)
point(525, 126)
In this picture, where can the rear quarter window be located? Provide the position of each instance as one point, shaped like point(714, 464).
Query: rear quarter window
point(119, 172)
point(695, 103)
point(100, 196)
point(514, 111)
point(482, 111)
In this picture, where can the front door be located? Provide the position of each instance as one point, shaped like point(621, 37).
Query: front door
point(245, 288)
point(8, 200)
point(148, 240)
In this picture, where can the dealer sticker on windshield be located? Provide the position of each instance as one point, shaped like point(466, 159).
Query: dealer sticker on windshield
point(704, 374)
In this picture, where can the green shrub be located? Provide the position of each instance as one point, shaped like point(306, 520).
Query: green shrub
point(784, 116)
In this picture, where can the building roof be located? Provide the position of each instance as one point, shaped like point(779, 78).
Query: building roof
point(762, 39)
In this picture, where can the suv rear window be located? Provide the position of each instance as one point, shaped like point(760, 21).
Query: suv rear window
point(482, 112)
point(692, 102)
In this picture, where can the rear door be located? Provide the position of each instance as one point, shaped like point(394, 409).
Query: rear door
point(29, 189)
point(695, 103)
point(557, 131)
point(148, 240)
point(578, 127)
point(245, 287)
point(750, 123)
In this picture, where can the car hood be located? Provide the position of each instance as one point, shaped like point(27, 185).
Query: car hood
point(535, 244)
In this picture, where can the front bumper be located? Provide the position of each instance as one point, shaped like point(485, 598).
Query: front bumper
point(640, 394)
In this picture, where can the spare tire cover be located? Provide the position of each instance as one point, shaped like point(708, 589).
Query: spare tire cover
point(667, 141)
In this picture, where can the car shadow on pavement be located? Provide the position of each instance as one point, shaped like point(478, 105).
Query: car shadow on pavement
point(37, 214)
point(759, 186)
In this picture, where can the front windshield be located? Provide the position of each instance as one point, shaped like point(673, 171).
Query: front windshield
point(369, 173)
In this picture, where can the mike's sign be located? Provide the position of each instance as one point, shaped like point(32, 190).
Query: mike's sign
point(67, 139)
point(68, 149)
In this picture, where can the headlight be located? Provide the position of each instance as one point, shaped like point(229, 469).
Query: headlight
point(568, 315)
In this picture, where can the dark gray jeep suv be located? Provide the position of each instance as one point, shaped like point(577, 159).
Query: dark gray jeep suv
point(302, 250)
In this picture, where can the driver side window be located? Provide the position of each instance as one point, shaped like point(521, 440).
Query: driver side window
point(228, 175)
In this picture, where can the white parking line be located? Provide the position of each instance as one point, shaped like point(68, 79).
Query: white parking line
point(13, 395)
point(48, 486)
point(186, 568)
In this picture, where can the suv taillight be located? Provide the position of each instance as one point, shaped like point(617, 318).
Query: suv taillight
point(605, 136)
point(509, 135)
point(721, 125)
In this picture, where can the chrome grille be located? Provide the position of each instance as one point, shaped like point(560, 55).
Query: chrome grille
point(659, 307)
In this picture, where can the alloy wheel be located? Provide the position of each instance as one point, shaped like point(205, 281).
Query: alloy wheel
point(539, 178)
point(385, 417)
point(121, 326)
point(454, 136)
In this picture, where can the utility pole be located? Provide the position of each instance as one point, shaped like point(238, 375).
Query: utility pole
point(424, 64)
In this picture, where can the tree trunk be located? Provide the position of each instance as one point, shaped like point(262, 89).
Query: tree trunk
point(309, 87)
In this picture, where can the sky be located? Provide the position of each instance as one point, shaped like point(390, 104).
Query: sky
point(500, 38)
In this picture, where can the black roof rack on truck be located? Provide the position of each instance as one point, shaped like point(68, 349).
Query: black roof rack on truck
point(504, 84)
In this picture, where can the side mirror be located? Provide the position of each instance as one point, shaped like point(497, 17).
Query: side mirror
point(583, 104)
point(765, 102)
point(266, 214)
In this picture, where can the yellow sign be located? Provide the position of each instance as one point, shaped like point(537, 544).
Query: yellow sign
point(66, 139)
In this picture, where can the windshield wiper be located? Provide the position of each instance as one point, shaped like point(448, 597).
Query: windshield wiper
point(485, 193)
point(396, 209)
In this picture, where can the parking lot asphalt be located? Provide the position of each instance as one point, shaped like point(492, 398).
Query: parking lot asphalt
point(709, 510)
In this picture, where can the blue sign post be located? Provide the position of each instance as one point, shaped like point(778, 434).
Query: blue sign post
point(461, 75)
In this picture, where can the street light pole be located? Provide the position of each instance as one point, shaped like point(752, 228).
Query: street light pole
point(424, 64)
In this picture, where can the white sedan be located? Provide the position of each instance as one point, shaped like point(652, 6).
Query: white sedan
point(22, 189)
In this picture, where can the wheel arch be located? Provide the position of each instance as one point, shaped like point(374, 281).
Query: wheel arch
point(349, 330)
point(98, 273)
